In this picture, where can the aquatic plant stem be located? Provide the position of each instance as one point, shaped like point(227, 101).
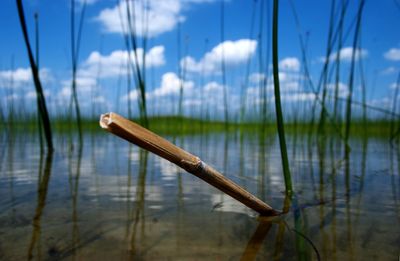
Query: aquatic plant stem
point(147, 140)
point(278, 106)
point(352, 69)
point(75, 46)
point(223, 67)
point(42, 108)
point(40, 132)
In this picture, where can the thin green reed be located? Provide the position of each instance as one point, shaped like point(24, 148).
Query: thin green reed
point(181, 68)
point(363, 86)
point(394, 108)
point(263, 82)
point(223, 69)
point(129, 64)
point(352, 71)
point(41, 102)
point(75, 46)
point(40, 132)
point(267, 62)
point(339, 47)
point(278, 107)
point(138, 71)
point(310, 83)
point(179, 57)
point(321, 126)
point(245, 84)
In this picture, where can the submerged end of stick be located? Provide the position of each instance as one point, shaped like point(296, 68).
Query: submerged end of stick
point(105, 120)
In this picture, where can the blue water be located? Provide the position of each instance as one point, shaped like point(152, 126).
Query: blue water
point(108, 200)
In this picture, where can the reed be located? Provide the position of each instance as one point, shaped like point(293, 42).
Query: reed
point(261, 62)
point(363, 86)
point(223, 67)
point(310, 83)
point(75, 46)
point(138, 72)
point(181, 69)
point(278, 107)
point(343, 9)
point(324, 76)
point(40, 131)
point(41, 102)
point(352, 71)
point(394, 109)
point(245, 84)
point(147, 140)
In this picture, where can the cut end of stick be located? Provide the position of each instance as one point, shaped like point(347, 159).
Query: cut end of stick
point(105, 120)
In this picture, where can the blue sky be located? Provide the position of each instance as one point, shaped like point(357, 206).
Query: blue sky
point(103, 51)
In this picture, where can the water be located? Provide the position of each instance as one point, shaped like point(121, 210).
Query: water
point(111, 201)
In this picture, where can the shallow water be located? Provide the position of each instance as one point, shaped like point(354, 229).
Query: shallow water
point(108, 200)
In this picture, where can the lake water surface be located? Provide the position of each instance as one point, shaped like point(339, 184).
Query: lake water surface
point(109, 200)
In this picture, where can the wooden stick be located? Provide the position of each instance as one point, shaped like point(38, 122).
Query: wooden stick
point(147, 140)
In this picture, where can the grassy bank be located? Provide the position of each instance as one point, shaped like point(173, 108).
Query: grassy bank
point(175, 125)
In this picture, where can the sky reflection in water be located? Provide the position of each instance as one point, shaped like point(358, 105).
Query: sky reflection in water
point(110, 200)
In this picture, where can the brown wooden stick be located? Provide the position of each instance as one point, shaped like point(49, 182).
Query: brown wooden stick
point(147, 140)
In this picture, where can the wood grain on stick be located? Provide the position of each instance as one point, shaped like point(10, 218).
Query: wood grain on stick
point(147, 140)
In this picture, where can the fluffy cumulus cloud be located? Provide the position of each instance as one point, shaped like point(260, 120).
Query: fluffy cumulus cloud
point(346, 53)
point(22, 76)
point(257, 78)
point(84, 84)
point(116, 62)
point(233, 53)
point(152, 17)
point(290, 64)
point(213, 87)
point(300, 96)
point(342, 88)
point(392, 54)
point(170, 85)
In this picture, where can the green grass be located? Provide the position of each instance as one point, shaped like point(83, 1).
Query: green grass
point(278, 107)
point(175, 125)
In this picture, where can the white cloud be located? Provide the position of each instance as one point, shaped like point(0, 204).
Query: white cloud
point(392, 54)
point(113, 61)
point(31, 95)
point(290, 64)
point(346, 54)
point(133, 95)
point(152, 17)
point(256, 78)
point(289, 81)
point(88, 2)
point(343, 89)
point(213, 87)
point(301, 96)
point(84, 84)
point(198, 1)
point(22, 76)
point(12, 97)
point(99, 100)
point(393, 85)
point(234, 53)
point(389, 70)
point(162, 17)
point(171, 84)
